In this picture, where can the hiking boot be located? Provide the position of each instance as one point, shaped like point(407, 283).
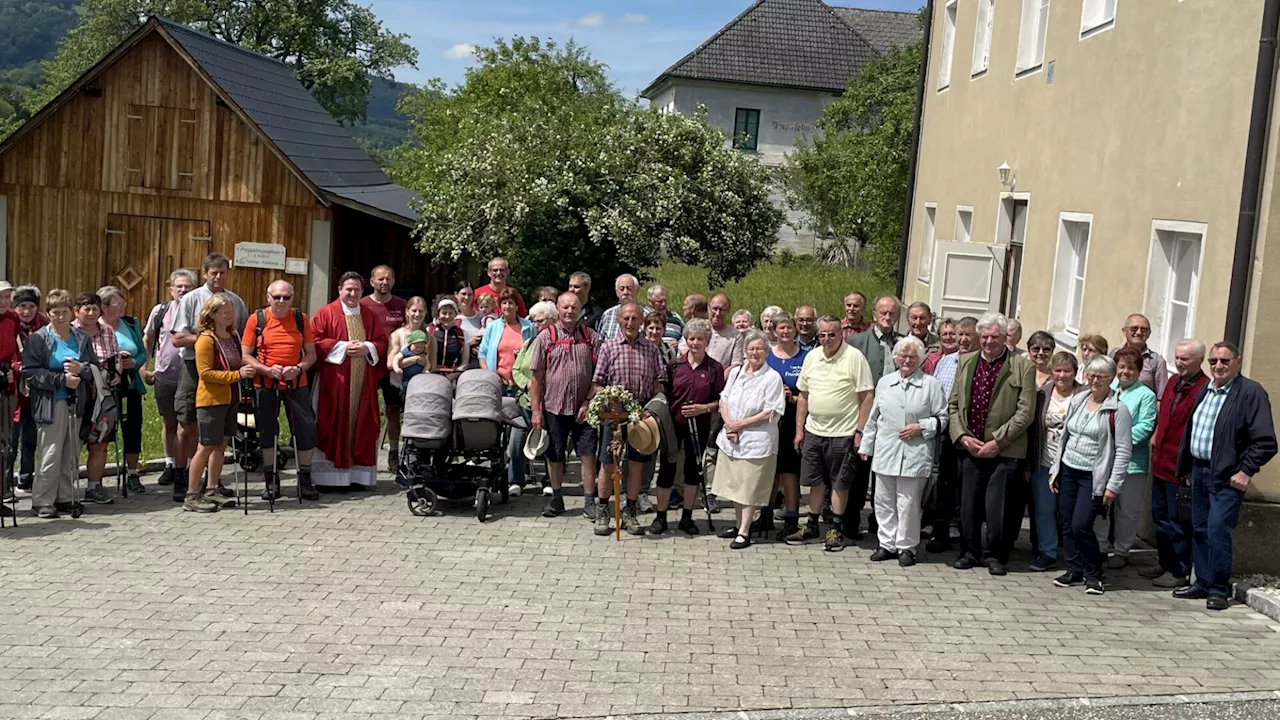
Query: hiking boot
point(133, 483)
point(602, 524)
point(687, 526)
point(306, 489)
point(590, 510)
point(803, 535)
point(195, 502)
point(554, 507)
point(631, 521)
point(658, 526)
point(216, 497)
point(225, 491)
point(180, 487)
point(789, 526)
point(167, 475)
point(97, 495)
point(836, 541)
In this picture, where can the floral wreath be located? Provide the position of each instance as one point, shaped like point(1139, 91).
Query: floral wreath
point(610, 398)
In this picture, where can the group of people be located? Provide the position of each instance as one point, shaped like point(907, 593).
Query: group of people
point(951, 426)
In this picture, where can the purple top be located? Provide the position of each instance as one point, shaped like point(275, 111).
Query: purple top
point(695, 386)
point(980, 393)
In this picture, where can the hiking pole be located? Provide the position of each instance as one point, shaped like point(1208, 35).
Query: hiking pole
point(121, 486)
point(702, 472)
point(237, 449)
point(73, 405)
point(7, 473)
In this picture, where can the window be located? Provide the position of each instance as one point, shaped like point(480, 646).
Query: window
point(948, 45)
point(1173, 281)
point(982, 36)
point(925, 268)
point(1097, 14)
point(1068, 275)
point(1032, 33)
point(964, 223)
point(161, 147)
point(746, 129)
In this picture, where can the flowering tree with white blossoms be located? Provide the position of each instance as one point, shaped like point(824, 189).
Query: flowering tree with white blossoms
point(537, 157)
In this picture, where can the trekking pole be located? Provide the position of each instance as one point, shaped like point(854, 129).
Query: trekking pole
point(121, 486)
point(6, 476)
point(77, 507)
point(702, 472)
point(237, 449)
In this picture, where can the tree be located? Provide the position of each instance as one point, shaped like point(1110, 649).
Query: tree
point(537, 157)
point(852, 177)
point(333, 46)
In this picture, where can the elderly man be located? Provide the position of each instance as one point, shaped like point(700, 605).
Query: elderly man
point(675, 326)
point(279, 346)
point(855, 321)
point(635, 364)
point(157, 340)
point(217, 275)
point(562, 363)
point(351, 343)
point(1173, 417)
point(499, 273)
point(1155, 371)
point(919, 318)
point(1230, 439)
point(1013, 336)
point(836, 387)
point(390, 312)
point(580, 285)
point(625, 287)
point(991, 409)
point(942, 364)
point(719, 311)
point(806, 318)
point(723, 348)
point(876, 345)
point(967, 333)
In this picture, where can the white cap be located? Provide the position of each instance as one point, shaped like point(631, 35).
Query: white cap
point(5, 286)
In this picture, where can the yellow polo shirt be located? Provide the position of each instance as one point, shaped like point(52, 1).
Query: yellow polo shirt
point(833, 384)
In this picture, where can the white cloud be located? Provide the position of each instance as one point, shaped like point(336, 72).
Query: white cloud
point(634, 19)
point(590, 20)
point(461, 50)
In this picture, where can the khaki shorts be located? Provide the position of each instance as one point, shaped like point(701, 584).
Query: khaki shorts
point(184, 400)
point(217, 423)
point(165, 395)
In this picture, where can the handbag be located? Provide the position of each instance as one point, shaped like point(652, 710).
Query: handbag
point(1184, 503)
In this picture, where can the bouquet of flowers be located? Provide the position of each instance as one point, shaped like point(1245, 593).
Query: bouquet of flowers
point(613, 398)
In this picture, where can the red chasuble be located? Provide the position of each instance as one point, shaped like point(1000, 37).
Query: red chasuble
point(347, 417)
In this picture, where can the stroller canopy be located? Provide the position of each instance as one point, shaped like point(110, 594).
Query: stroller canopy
point(428, 408)
point(478, 396)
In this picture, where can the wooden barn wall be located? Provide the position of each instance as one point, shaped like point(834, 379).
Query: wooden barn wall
point(362, 242)
point(87, 144)
point(57, 236)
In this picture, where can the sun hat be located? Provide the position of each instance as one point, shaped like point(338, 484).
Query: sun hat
point(643, 436)
point(417, 336)
point(536, 443)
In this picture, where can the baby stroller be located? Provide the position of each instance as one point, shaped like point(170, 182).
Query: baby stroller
point(454, 441)
point(247, 447)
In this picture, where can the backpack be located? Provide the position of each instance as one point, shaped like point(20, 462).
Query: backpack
point(261, 326)
point(580, 337)
point(98, 425)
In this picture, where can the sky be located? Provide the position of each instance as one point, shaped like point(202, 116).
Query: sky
point(637, 39)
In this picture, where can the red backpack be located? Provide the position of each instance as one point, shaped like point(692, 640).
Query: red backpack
point(579, 337)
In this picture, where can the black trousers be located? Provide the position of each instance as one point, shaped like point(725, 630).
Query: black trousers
point(947, 491)
point(22, 448)
point(985, 484)
point(863, 482)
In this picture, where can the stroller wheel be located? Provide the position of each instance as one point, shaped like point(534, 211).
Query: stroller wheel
point(482, 504)
point(422, 501)
point(251, 461)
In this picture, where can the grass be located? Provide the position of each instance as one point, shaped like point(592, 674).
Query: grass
point(788, 283)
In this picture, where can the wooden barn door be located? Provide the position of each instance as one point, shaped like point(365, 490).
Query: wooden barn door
point(142, 251)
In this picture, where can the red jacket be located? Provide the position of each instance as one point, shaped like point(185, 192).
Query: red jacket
point(1173, 418)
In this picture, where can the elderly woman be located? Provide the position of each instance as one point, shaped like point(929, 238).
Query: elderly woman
point(89, 321)
point(1089, 471)
point(753, 401)
point(694, 385)
point(1141, 402)
point(767, 318)
point(786, 357)
point(1090, 347)
point(1052, 400)
point(742, 321)
point(55, 361)
point(900, 439)
point(133, 355)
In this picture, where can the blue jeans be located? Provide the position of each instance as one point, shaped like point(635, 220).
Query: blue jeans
point(1079, 542)
point(1215, 510)
point(1173, 538)
point(1045, 503)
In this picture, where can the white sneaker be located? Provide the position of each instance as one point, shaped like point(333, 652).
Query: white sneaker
point(21, 492)
point(547, 491)
point(514, 490)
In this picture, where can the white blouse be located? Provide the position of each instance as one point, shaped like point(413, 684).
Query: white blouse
point(746, 395)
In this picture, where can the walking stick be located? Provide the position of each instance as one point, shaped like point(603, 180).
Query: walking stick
point(73, 407)
point(6, 476)
point(702, 473)
point(121, 486)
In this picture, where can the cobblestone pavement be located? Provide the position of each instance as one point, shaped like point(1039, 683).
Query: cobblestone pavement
point(353, 608)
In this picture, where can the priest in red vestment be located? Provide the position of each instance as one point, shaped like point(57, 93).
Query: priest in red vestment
point(352, 345)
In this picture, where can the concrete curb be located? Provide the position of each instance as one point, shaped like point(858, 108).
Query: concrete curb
point(1012, 707)
point(1265, 603)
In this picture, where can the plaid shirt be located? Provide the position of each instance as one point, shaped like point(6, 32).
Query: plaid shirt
point(636, 366)
point(1205, 417)
point(848, 327)
point(567, 366)
point(945, 372)
point(104, 343)
point(608, 328)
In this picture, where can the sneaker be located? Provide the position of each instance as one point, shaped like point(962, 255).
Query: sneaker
point(836, 541)
point(10, 494)
point(1068, 579)
point(881, 554)
point(590, 510)
point(98, 496)
point(1152, 572)
point(789, 526)
point(167, 475)
point(1118, 562)
point(196, 502)
point(1093, 587)
point(602, 524)
point(646, 505)
point(1043, 563)
point(134, 483)
point(677, 501)
point(1169, 581)
point(514, 490)
point(45, 511)
point(22, 491)
point(713, 503)
point(216, 497)
point(631, 520)
point(803, 535)
point(554, 507)
point(687, 526)
point(547, 491)
point(658, 526)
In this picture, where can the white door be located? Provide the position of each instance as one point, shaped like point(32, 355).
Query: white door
point(967, 278)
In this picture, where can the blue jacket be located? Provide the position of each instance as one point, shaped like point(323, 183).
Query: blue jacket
point(1244, 437)
point(493, 335)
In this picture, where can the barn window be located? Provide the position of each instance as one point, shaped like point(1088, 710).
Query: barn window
point(161, 147)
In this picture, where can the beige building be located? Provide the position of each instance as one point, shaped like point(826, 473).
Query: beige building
point(1084, 159)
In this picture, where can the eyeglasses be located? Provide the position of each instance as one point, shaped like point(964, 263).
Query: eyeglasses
point(1095, 377)
point(1135, 330)
point(823, 334)
point(281, 298)
point(1220, 361)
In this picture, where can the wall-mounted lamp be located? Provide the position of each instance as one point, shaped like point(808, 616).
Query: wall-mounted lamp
point(1006, 176)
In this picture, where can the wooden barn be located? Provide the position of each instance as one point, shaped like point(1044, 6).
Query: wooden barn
point(177, 144)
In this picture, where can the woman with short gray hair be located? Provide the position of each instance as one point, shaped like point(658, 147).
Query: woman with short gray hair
point(767, 317)
point(900, 439)
point(742, 321)
point(1089, 471)
point(132, 356)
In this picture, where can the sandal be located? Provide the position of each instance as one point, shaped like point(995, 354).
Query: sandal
point(740, 541)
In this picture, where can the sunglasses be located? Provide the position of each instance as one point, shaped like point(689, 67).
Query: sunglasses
point(1220, 361)
point(281, 298)
point(1139, 330)
point(1040, 349)
point(828, 334)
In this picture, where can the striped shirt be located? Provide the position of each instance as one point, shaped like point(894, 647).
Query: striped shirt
point(1205, 417)
point(636, 366)
point(1086, 433)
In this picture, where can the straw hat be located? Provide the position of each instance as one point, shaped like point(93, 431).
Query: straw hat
point(643, 435)
point(536, 443)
